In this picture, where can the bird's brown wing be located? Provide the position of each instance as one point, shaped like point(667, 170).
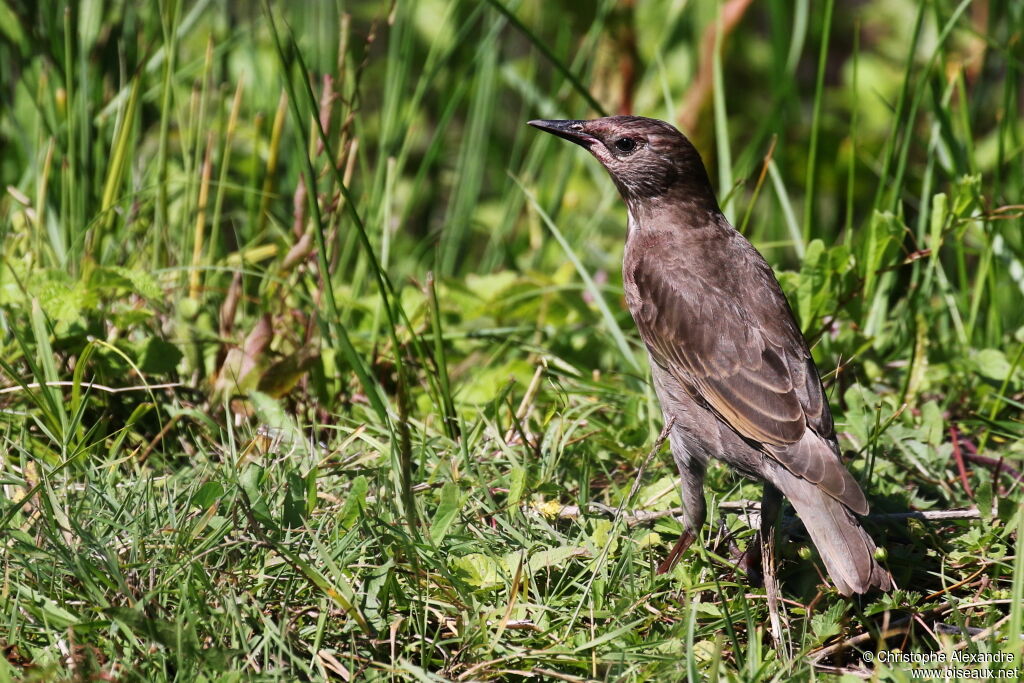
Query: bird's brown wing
point(741, 354)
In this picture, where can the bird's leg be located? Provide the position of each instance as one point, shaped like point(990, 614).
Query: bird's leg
point(764, 540)
point(685, 541)
point(691, 472)
point(771, 503)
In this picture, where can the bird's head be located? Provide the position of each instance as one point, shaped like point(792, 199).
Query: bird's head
point(648, 159)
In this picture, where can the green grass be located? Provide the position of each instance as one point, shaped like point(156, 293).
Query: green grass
point(289, 397)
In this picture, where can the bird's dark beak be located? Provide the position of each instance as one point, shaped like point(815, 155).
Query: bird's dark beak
point(573, 131)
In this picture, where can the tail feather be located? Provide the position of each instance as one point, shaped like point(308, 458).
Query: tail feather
point(845, 547)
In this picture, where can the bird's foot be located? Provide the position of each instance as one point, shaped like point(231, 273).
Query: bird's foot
point(749, 562)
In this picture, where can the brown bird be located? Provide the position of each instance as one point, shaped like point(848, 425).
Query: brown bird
point(729, 364)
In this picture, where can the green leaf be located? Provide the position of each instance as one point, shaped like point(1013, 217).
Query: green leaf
point(883, 234)
point(311, 497)
point(827, 624)
point(940, 210)
point(812, 290)
point(546, 559)
point(932, 422)
point(142, 283)
point(841, 259)
point(983, 499)
point(966, 196)
point(859, 415)
point(114, 278)
point(159, 357)
point(127, 318)
point(517, 485)
point(252, 481)
point(446, 513)
point(45, 609)
point(602, 536)
point(478, 570)
point(10, 27)
point(64, 303)
point(294, 512)
point(992, 363)
point(208, 494)
point(354, 503)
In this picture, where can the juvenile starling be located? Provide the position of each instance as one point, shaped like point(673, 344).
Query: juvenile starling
point(729, 364)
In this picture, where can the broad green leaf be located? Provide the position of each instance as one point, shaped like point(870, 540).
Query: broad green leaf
point(354, 502)
point(159, 357)
point(967, 194)
point(208, 494)
point(827, 624)
point(293, 513)
point(252, 480)
point(446, 513)
point(547, 559)
point(992, 363)
point(812, 290)
point(601, 536)
point(517, 485)
point(138, 281)
point(883, 234)
point(11, 27)
point(63, 303)
point(478, 570)
point(932, 422)
point(983, 498)
point(489, 287)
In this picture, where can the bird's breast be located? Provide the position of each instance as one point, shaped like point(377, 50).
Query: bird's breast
point(630, 263)
point(648, 250)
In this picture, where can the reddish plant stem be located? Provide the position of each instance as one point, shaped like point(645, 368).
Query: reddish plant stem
point(958, 456)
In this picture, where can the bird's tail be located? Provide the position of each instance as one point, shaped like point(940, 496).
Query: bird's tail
point(845, 547)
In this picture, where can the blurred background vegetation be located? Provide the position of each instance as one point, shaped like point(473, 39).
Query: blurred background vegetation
point(307, 338)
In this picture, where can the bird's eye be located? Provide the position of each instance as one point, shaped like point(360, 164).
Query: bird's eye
point(625, 144)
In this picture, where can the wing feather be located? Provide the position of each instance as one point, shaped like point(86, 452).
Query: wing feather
point(742, 355)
